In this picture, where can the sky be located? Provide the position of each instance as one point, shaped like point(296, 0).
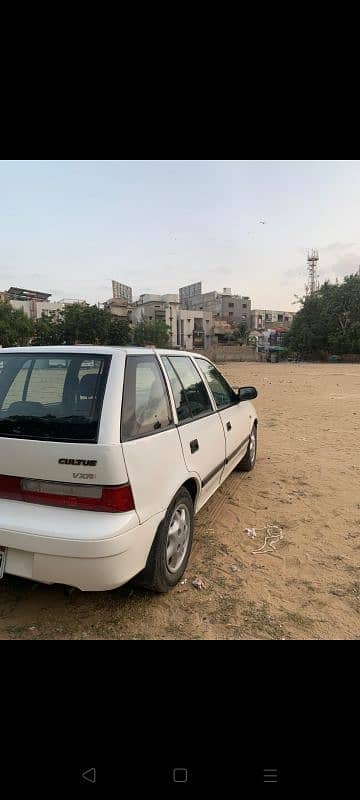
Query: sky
point(70, 227)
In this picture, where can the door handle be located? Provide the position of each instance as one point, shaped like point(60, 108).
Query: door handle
point(228, 425)
point(194, 445)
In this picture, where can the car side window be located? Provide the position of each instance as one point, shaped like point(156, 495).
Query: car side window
point(146, 406)
point(190, 394)
point(183, 409)
point(223, 393)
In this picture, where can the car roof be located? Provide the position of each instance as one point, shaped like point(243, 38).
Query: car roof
point(97, 349)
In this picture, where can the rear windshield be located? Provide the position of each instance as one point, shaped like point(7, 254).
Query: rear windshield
point(57, 398)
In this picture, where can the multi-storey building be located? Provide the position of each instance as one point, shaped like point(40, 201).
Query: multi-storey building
point(35, 304)
point(55, 308)
point(262, 319)
point(157, 308)
point(231, 308)
point(187, 328)
point(235, 309)
point(122, 292)
point(194, 329)
point(119, 307)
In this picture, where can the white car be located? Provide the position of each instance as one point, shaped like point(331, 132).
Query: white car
point(105, 462)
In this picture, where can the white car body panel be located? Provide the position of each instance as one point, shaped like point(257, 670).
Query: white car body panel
point(156, 471)
point(95, 550)
point(236, 439)
point(28, 458)
point(209, 458)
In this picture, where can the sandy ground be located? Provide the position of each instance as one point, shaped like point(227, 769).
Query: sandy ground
point(306, 481)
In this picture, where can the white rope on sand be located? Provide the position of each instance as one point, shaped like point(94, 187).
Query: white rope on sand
point(273, 535)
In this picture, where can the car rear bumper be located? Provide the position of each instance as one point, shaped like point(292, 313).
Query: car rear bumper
point(89, 550)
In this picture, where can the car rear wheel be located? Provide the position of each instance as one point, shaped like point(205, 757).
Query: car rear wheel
point(171, 547)
point(249, 460)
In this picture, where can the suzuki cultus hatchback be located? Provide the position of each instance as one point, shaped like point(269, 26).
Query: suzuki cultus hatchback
point(106, 455)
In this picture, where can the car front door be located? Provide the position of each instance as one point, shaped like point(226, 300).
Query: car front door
point(234, 416)
point(199, 425)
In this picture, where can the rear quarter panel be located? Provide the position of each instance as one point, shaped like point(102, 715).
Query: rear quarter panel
point(156, 470)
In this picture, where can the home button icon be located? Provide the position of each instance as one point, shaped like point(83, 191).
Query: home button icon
point(180, 775)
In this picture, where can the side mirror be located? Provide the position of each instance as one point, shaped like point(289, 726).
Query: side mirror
point(247, 393)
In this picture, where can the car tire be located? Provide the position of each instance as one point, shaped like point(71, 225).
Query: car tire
point(249, 460)
point(171, 548)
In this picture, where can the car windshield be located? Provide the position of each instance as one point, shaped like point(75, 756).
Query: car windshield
point(49, 397)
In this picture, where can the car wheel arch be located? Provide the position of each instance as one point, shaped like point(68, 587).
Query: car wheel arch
point(193, 487)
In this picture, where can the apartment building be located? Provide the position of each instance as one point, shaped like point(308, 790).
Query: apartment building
point(262, 319)
point(235, 309)
point(188, 329)
point(56, 307)
point(157, 308)
point(26, 300)
point(231, 308)
point(194, 329)
point(35, 304)
point(119, 307)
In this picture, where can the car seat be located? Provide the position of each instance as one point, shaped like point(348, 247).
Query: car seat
point(24, 408)
point(86, 391)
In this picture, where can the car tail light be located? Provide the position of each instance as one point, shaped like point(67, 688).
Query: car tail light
point(68, 495)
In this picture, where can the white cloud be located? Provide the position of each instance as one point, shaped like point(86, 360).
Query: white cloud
point(339, 259)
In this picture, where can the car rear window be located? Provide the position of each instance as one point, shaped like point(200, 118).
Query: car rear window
point(57, 398)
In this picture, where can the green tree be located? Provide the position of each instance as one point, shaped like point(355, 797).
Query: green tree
point(155, 334)
point(329, 321)
point(48, 330)
point(240, 332)
point(119, 331)
point(79, 324)
point(15, 327)
point(86, 325)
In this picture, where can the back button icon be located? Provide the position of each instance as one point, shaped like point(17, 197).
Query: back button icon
point(89, 775)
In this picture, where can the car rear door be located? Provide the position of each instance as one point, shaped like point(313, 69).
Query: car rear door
point(150, 441)
point(200, 429)
point(235, 416)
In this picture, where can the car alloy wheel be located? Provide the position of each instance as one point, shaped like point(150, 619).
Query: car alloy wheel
point(252, 446)
point(178, 538)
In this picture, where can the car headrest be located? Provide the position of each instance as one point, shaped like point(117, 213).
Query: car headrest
point(87, 386)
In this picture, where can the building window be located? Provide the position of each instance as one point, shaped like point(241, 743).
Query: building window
point(280, 317)
point(231, 305)
point(244, 305)
point(231, 314)
point(286, 319)
point(243, 316)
